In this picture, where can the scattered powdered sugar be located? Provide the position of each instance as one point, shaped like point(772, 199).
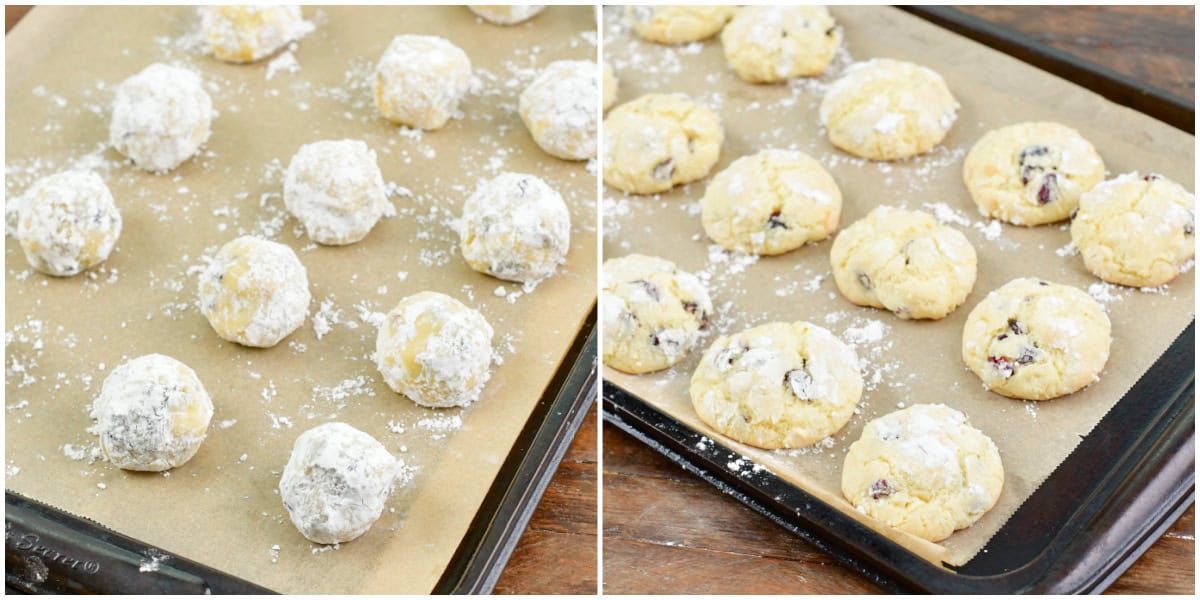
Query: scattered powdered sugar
point(1069, 250)
point(284, 63)
point(869, 339)
point(327, 316)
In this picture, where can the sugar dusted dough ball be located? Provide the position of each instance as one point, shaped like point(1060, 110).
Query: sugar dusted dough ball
point(506, 14)
point(1136, 230)
point(923, 470)
point(336, 482)
point(609, 86)
point(770, 203)
point(152, 414)
point(336, 190)
point(652, 313)
point(435, 350)
point(773, 43)
point(559, 109)
point(515, 227)
point(659, 141)
point(677, 24)
point(420, 81)
point(242, 34)
point(254, 292)
point(161, 116)
point(67, 223)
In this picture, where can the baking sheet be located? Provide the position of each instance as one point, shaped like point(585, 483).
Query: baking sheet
point(905, 362)
point(64, 335)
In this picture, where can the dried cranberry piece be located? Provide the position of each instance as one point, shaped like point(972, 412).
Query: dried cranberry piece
point(724, 359)
point(799, 382)
point(1152, 177)
point(1002, 364)
point(1017, 327)
point(650, 288)
point(864, 280)
point(694, 309)
point(830, 31)
point(1030, 151)
point(1027, 356)
point(880, 489)
point(664, 170)
point(774, 222)
point(1049, 190)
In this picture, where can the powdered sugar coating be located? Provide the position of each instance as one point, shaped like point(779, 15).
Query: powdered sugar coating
point(335, 188)
point(336, 482)
point(254, 292)
point(506, 14)
point(559, 108)
point(515, 227)
point(67, 223)
point(420, 80)
point(161, 116)
point(242, 34)
point(152, 414)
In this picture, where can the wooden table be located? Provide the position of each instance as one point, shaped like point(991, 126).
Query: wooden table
point(667, 530)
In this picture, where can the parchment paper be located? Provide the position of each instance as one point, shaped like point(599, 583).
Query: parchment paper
point(64, 335)
point(911, 362)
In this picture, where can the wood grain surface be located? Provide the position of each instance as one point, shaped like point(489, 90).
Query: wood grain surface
point(666, 530)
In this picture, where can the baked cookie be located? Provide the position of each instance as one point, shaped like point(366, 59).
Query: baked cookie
point(559, 109)
point(1031, 173)
point(903, 261)
point(770, 203)
point(336, 482)
point(1035, 340)
point(506, 14)
point(1136, 230)
point(779, 385)
point(923, 470)
point(420, 81)
point(609, 86)
point(254, 292)
point(242, 34)
point(152, 414)
point(652, 313)
point(515, 227)
point(659, 141)
point(336, 190)
point(67, 223)
point(677, 24)
point(160, 117)
point(884, 109)
point(765, 44)
point(435, 350)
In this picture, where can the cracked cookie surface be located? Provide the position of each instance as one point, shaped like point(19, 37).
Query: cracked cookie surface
point(677, 24)
point(659, 141)
point(652, 313)
point(765, 44)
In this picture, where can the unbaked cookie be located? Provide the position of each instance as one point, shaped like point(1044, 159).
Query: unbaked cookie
point(903, 261)
point(652, 313)
point(609, 86)
point(336, 190)
point(242, 34)
point(435, 350)
point(254, 292)
point(152, 414)
point(420, 81)
point(506, 14)
point(1035, 340)
point(515, 227)
point(778, 385)
point(1136, 230)
point(1031, 173)
point(336, 482)
point(559, 109)
point(68, 222)
point(765, 44)
point(659, 141)
point(923, 470)
point(160, 117)
point(677, 24)
point(885, 109)
point(770, 203)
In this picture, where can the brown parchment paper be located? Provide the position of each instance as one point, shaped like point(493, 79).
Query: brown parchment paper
point(913, 362)
point(64, 335)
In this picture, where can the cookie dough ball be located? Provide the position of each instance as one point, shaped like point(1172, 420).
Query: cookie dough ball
point(1035, 340)
point(559, 109)
point(659, 141)
point(1136, 230)
point(254, 292)
point(609, 86)
point(515, 227)
point(336, 482)
point(779, 385)
point(160, 117)
point(904, 261)
point(336, 190)
point(766, 44)
point(243, 34)
point(435, 350)
point(1031, 173)
point(770, 203)
point(67, 223)
point(506, 14)
point(152, 414)
point(420, 81)
point(923, 470)
point(677, 24)
point(885, 109)
point(652, 313)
